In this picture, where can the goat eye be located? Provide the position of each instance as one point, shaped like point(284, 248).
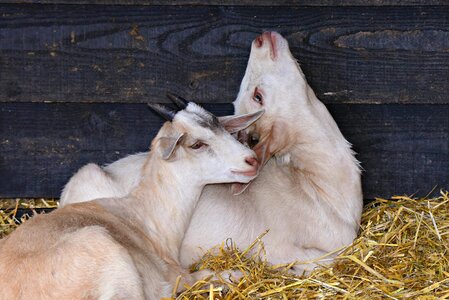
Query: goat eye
point(198, 145)
point(253, 140)
point(258, 97)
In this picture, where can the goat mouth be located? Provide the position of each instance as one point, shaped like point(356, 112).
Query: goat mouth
point(250, 173)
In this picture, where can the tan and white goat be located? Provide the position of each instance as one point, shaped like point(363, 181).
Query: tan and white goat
point(308, 195)
point(128, 248)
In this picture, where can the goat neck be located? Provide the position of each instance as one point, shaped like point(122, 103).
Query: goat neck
point(161, 204)
point(316, 151)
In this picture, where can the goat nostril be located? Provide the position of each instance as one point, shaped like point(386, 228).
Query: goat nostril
point(259, 41)
point(252, 161)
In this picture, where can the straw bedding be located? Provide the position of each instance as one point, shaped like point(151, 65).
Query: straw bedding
point(401, 253)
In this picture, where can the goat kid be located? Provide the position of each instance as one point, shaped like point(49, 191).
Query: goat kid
point(128, 248)
point(308, 194)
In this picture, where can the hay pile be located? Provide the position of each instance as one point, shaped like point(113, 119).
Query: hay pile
point(402, 252)
point(15, 211)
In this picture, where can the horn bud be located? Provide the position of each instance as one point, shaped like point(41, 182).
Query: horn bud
point(179, 101)
point(163, 111)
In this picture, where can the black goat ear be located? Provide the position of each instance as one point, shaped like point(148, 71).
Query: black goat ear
point(163, 111)
point(179, 101)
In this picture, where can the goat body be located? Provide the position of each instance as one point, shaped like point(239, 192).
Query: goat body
point(308, 194)
point(126, 248)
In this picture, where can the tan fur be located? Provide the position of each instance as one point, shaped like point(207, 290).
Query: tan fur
point(66, 255)
point(123, 248)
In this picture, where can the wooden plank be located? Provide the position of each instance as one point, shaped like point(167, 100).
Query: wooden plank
point(245, 2)
point(403, 148)
point(134, 54)
point(43, 144)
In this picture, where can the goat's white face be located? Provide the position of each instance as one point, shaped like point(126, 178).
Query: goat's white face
point(274, 82)
point(273, 79)
point(201, 144)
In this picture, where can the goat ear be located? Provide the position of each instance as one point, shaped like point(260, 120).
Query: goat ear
point(277, 138)
point(168, 145)
point(234, 124)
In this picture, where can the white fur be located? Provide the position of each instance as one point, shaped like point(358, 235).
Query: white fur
point(309, 196)
point(125, 248)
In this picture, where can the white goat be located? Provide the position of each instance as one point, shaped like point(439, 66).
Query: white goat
point(128, 248)
point(309, 195)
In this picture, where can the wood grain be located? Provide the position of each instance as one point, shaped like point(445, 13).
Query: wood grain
point(403, 148)
point(245, 2)
point(134, 54)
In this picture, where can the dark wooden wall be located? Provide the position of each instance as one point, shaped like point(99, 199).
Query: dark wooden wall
point(74, 80)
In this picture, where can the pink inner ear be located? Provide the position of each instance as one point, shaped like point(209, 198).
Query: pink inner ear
point(234, 124)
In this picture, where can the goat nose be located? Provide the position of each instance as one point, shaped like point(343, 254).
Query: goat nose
point(266, 35)
point(259, 41)
point(252, 161)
